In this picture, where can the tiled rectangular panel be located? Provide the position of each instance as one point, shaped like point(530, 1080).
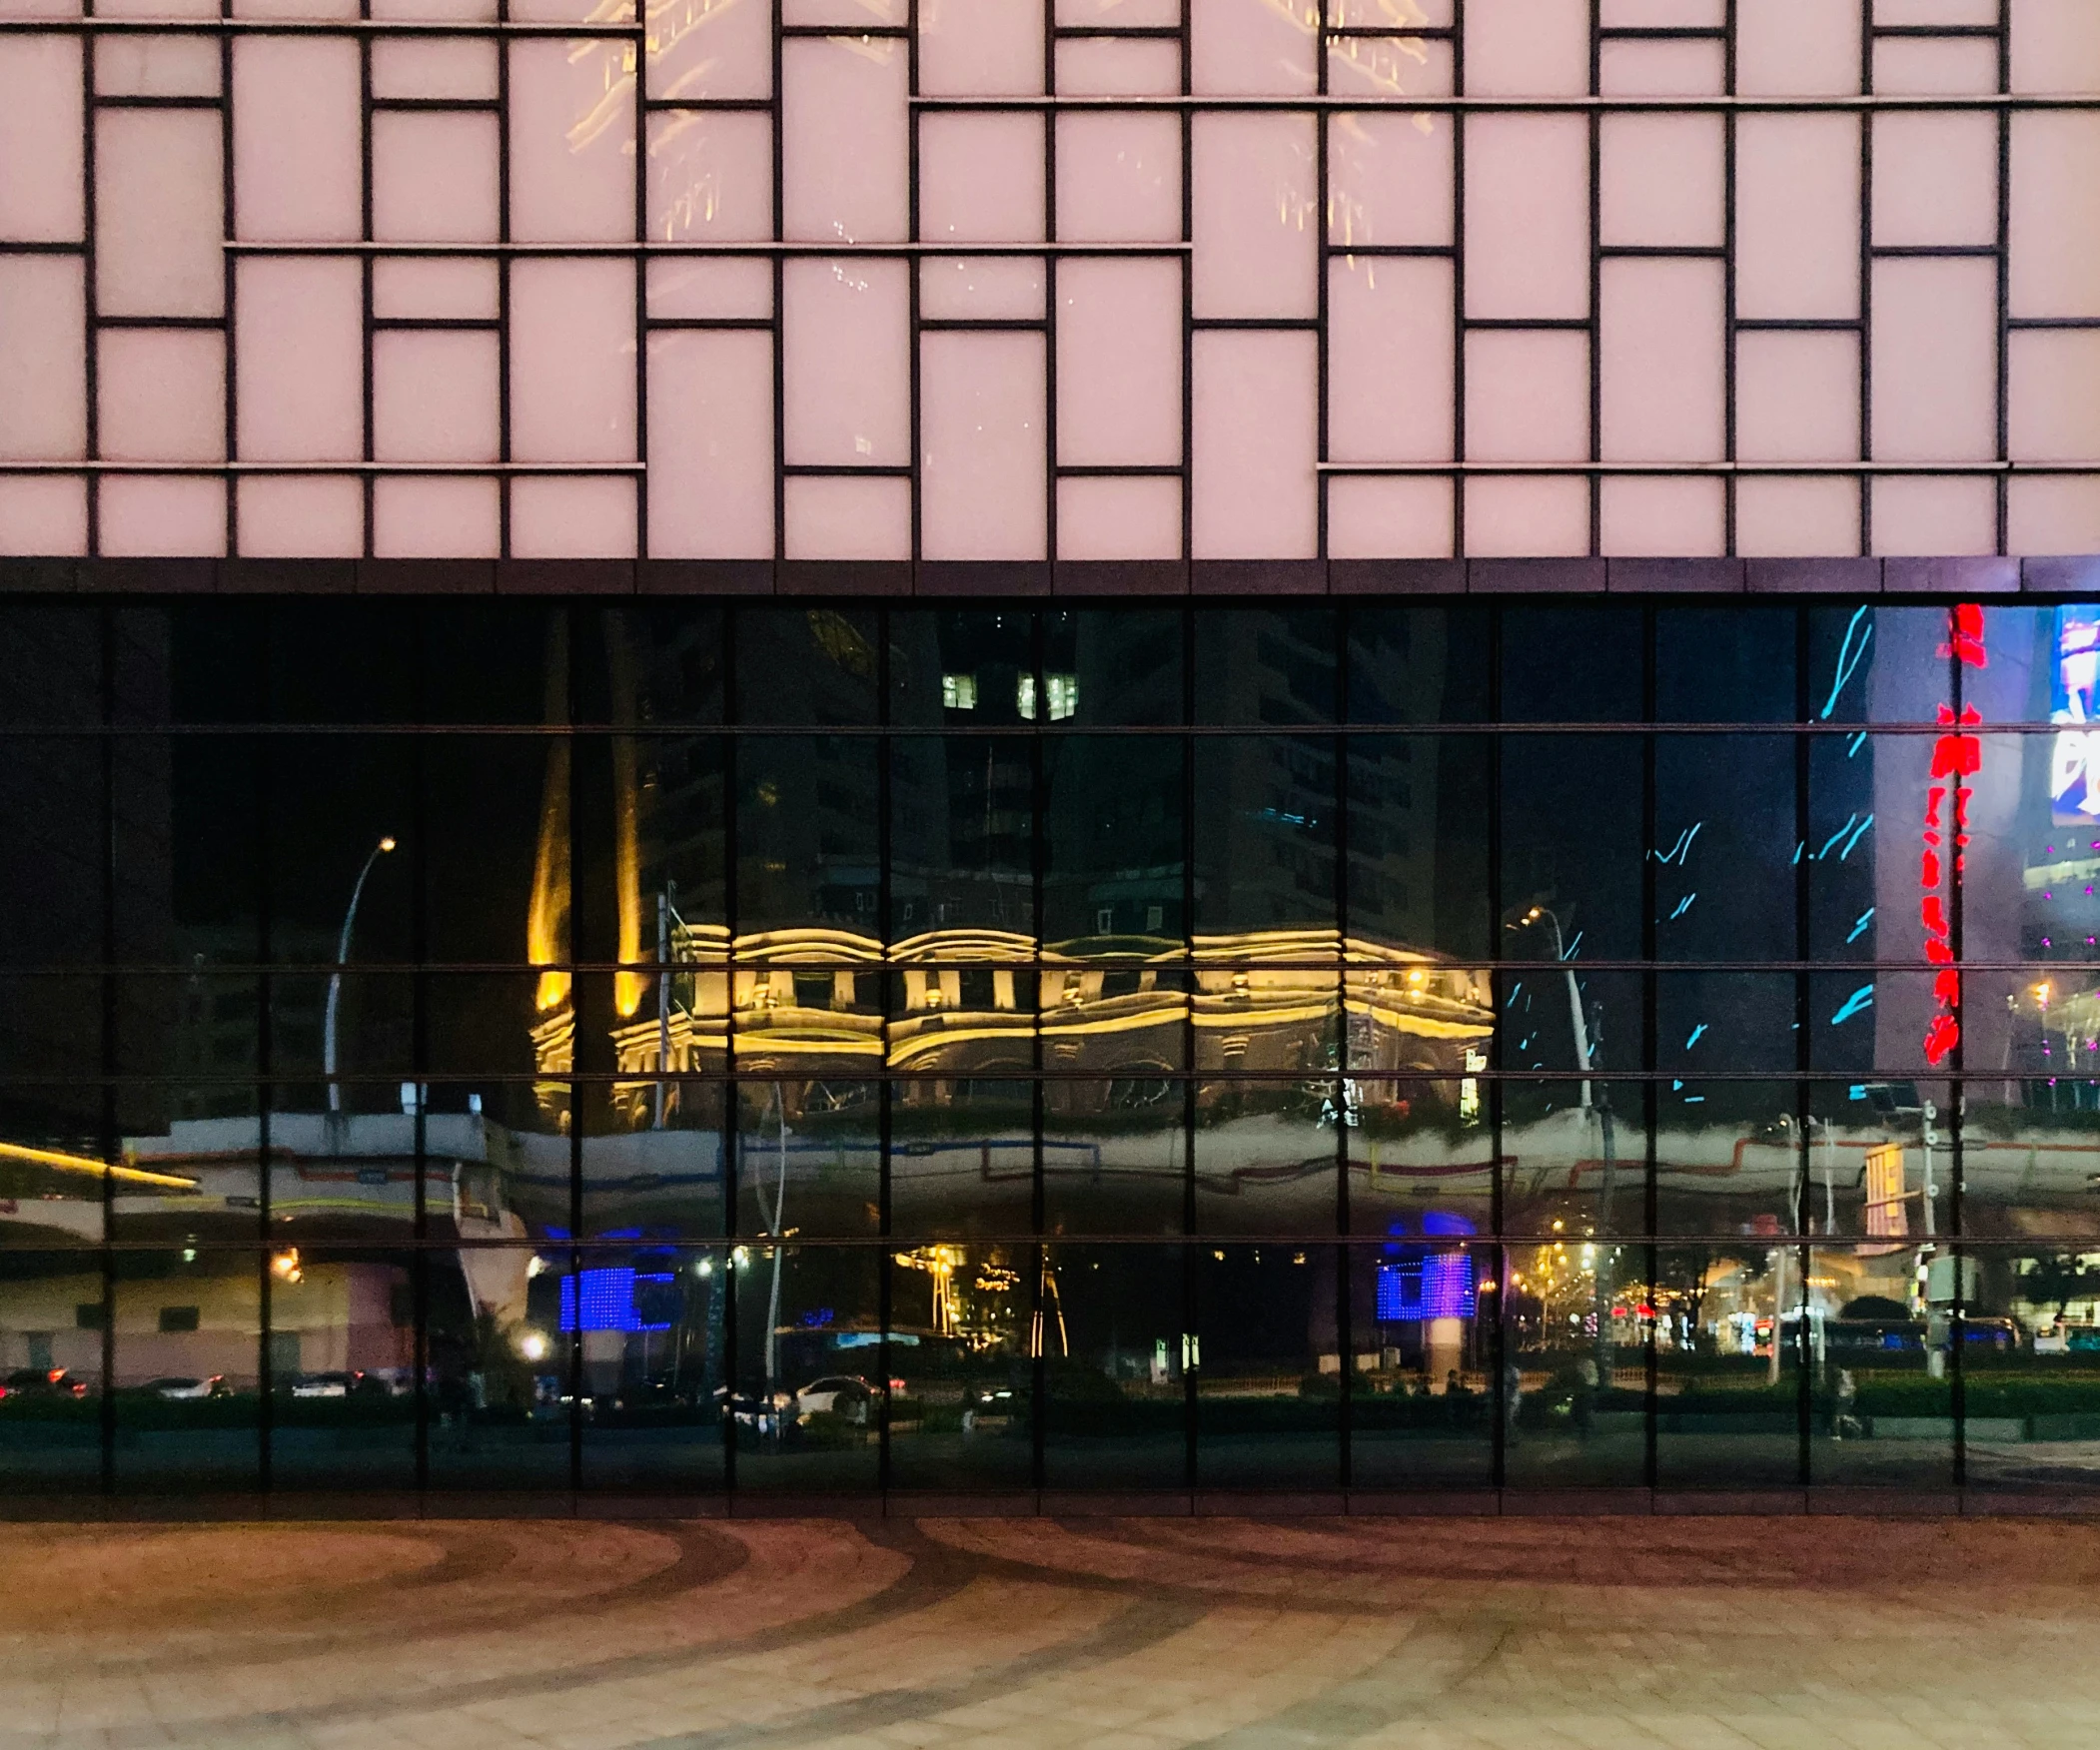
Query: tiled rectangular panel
point(1127, 280)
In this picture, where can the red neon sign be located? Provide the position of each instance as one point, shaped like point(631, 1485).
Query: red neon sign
point(1956, 755)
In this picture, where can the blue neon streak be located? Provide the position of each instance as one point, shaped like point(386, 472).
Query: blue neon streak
point(1684, 905)
point(1851, 821)
point(1798, 848)
point(1674, 1086)
point(1858, 835)
point(1695, 1100)
point(1855, 744)
point(1514, 988)
point(1695, 1038)
point(1682, 850)
point(1862, 998)
point(1859, 929)
point(1573, 947)
point(1848, 660)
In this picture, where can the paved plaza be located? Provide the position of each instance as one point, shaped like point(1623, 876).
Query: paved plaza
point(1132, 1634)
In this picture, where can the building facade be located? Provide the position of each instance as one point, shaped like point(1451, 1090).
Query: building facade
point(1030, 752)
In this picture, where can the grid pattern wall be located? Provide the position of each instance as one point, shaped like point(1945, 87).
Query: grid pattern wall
point(823, 1049)
point(986, 279)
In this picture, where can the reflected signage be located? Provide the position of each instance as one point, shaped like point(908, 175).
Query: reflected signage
point(2074, 675)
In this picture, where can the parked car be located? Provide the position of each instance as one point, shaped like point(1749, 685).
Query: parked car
point(335, 1385)
point(43, 1383)
point(179, 1387)
point(845, 1396)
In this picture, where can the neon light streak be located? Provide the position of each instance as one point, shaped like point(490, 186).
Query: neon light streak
point(1862, 998)
point(1848, 660)
point(1858, 835)
point(1956, 755)
point(1695, 1033)
point(1684, 906)
point(1859, 929)
point(1855, 744)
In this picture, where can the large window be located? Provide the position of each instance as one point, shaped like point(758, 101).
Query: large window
point(828, 1048)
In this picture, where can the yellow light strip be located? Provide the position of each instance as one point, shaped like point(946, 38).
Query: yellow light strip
point(89, 1164)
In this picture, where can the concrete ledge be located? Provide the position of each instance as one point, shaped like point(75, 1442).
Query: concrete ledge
point(1078, 1504)
point(1430, 1504)
point(1132, 581)
point(1697, 1503)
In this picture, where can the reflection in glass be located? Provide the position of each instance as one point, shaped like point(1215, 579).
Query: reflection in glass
point(1116, 1348)
point(811, 1394)
point(808, 1158)
point(1268, 1368)
point(651, 1323)
point(343, 1378)
point(187, 1353)
point(53, 1315)
point(1879, 1335)
point(1266, 1156)
point(965, 1333)
point(1424, 1396)
point(1728, 1402)
point(1576, 1323)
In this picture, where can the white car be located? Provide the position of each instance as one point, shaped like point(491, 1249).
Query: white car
point(841, 1395)
point(215, 1386)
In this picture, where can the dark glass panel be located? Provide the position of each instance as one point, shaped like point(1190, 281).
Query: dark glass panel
point(1116, 1344)
point(343, 1372)
point(492, 662)
point(53, 856)
point(52, 1320)
point(964, 1331)
point(496, 851)
point(664, 664)
point(809, 827)
point(1265, 840)
point(1419, 665)
point(1572, 846)
point(811, 1394)
point(340, 809)
point(50, 666)
point(1269, 1375)
point(1570, 664)
point(1266, 1157)
point(962, 670)
point(1421, 1157)
point(506, 1366)
point(1875, 664)
point(1110, 666)
point(1424, 1396)
point(1726, 1023)
point(808, 1153)
point(807, 667)
point(654, 1337)
point(187, 1343)
point(1882, 1413)
point(1416, 831)
point(332, 661)
point(1113, 853)
point(1727, 1411)
point(962, 836)
point(1726, 844)
point(1574, 1376)
point(1732, 664)
point(1265, 668)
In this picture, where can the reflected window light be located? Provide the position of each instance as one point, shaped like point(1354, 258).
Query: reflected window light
point(959, 692)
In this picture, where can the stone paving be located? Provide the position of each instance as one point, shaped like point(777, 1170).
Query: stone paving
point(1104, 1634)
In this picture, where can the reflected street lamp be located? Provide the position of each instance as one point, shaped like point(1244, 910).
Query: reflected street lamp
point(335, 983)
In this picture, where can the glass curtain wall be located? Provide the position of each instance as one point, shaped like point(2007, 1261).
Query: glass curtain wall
point(823, 1049)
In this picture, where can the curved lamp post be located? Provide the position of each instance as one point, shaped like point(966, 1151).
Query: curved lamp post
point(335, 983)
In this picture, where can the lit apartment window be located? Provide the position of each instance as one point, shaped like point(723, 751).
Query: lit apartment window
point(959, 692)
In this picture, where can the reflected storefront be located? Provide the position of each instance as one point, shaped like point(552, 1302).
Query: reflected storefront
point(793, 1052)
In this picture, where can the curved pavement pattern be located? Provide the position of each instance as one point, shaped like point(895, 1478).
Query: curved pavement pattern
point(1138, 1634)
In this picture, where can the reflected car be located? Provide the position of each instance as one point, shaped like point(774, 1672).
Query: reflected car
point(42, 1382)
point(329, 1385)
point(841, 1395)
point(180, 1388)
